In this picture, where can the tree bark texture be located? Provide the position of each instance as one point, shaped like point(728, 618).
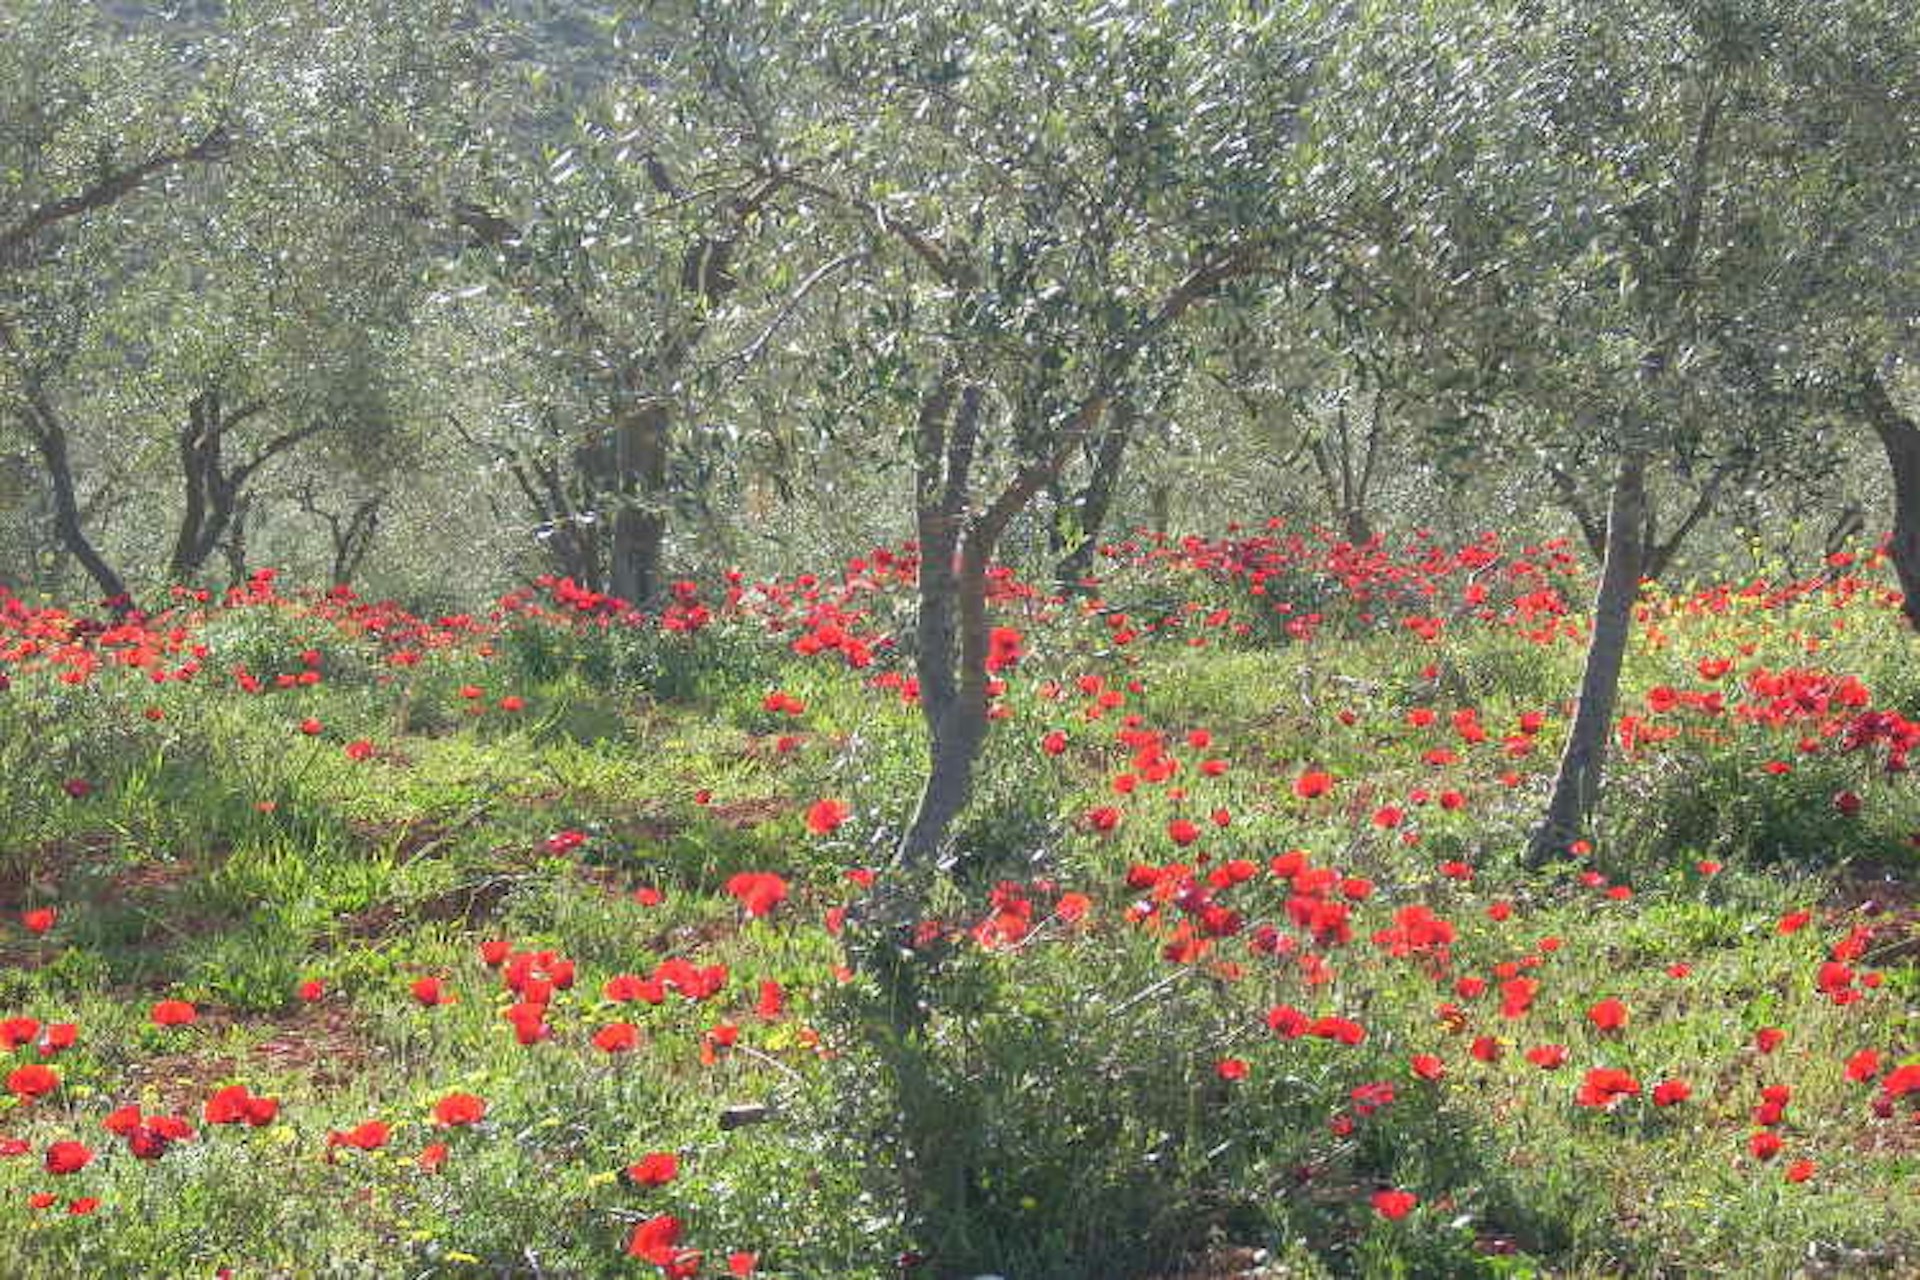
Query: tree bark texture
point(639, 519)
point(951, 632)
point(50, 440)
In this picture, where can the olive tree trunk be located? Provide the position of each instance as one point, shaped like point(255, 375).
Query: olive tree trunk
point(1576, 787)
point(951, 633)
point(1094, 502)
point(1900, 437)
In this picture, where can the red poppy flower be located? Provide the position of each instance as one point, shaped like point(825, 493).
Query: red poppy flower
point(1902, 1081)
point(1312, 783)
point(1548, 1057)
point(32, 1081)
point(654, 1170)
point(172, 1128)
point(1338, 1029)
point(39, 919)
point(1394, 1205)
point(1765, 1144)
point(1485, 1049)
point(1182, 832)
point(311, 990)
point(68, 1157)
point(825, 816)
point(311, 727)
point(1671, 1092)
point(369, 1136)
point(459, 1109)
point(1516, 996)
point(1767, 1039)
point(433, 1157)
point(624, 987)
point(235, 1105)
point(429, 991)
point(1054, 743)
point(656, 1240)
point(148, 1144)
point(1608, 1015)
point(1230, 1069)
point(758, 892)
point(1800, 1170)
point(617, 1037)
point(717, 1039)
point(174, 1013)
point(1428, 1066)
point(1863, 1066)
point(1605, 1086)
point(1773, 1104)
point(1287, 1021)
point(529, 1022)
point(742, 1265)
point(561, 843)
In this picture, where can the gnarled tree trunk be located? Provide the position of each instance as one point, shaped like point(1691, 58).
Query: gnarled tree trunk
point(49, 435)
point(50, 440)
point(216, 498)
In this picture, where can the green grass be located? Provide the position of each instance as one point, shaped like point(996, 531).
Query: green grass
point(1054, 1108)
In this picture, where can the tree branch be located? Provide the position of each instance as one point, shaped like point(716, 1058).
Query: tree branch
point(110, 189)
point(1592, 531)
point(791, 305)
point(1660, 555)
point(922, 246)
point(278, 445)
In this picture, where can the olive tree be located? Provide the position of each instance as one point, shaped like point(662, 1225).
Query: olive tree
point(1047, 196)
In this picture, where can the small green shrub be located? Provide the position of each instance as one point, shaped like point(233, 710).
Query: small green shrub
point(668, 666)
